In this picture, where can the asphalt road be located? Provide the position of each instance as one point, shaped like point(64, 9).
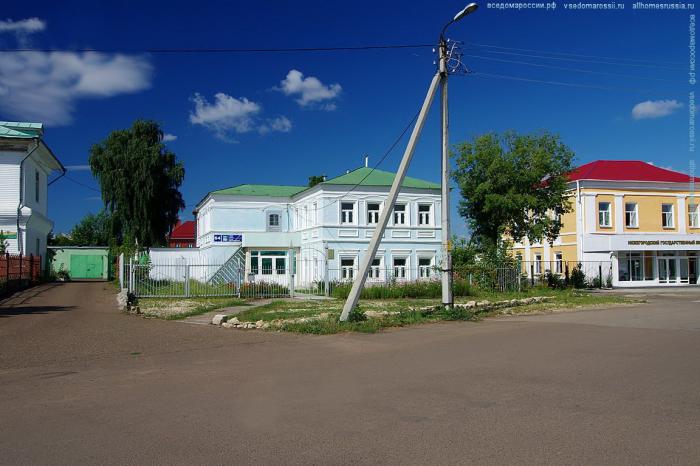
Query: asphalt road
point(81, 383)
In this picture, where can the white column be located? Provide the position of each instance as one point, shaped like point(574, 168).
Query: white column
point(682, 215)
point(619, 213)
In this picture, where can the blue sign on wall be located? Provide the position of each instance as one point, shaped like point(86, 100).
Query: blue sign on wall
point(228, 238)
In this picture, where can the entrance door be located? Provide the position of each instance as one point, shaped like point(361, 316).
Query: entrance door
point(693, 270)
point(667, 270)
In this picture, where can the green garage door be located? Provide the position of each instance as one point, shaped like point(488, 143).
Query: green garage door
point(86, 266)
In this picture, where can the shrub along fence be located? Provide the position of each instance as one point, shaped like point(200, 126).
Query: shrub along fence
point(18, 271)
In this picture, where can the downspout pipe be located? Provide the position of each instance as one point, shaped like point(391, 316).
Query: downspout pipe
point(20, 248)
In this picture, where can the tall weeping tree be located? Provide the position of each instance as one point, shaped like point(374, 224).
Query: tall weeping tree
point(140, 180)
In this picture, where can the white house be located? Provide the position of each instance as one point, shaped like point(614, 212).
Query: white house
point(306, 232)
point(25, 165)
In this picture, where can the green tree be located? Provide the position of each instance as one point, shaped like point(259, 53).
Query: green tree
point(514, 184)
point(316, 179)
point(4, 245)
point(140, 180)
point(92, 230)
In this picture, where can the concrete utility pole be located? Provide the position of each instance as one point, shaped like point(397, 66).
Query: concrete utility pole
point(440, 79)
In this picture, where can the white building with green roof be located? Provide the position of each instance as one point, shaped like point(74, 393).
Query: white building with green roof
point(26, 163)
point(279, 231)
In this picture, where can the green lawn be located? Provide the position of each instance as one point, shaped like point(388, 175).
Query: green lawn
point(180, 308)
point(321, 316)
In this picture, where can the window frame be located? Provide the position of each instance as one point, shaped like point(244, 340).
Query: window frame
point(36, 186)
point(375, 269)
point(373, 213)
point(558, 262)
point(423, 214)
point(403, 212)
point(694, 213)
point(353, 213)
point(403, 268)
point(634, 212)
point(538, 264)
point(605, 214)
point(347, 272)
point(269, 225)
point(425, 271)
point(665, 215)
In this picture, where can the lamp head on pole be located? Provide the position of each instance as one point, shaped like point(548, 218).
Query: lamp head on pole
point(469, 9)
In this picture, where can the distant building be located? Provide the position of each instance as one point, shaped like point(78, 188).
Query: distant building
point(641, 220)
point(183, 235)
point(308, 232)
point(26, 163)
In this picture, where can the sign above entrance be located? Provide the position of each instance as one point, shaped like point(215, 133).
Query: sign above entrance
point(689, 242)
point(228, 238)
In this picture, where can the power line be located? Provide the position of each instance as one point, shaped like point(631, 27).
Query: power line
point(564, 68)
point(224, 49)
point(557, 83)
point(577, 55)
point(82, 184)
point(586, 61)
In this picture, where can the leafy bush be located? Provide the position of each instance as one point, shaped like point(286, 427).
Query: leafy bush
point(399, 290)
point(357, 315)
point(62, 276)
point(554, 281)
point(578, 277)
point(263, 289)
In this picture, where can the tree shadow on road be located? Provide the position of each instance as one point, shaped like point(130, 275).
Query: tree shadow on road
point(20, 310)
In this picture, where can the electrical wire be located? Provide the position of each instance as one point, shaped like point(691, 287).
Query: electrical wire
point(577, 55)
point(224, 49)
point(558, 83)
point(564, 68)
point(81, 184)
point(586, 61)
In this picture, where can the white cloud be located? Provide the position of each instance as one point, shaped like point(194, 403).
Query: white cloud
point(167, 137)
point(228, 114)
point(309, 90)
point(280, 123)
point(44, 86)
point(225, 114)
point(77, 168)
point(655, 109)
point(23, 26)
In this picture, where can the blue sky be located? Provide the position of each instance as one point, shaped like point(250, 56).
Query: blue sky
point(272, 125)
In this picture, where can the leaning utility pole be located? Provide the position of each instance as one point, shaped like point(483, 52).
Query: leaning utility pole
point(440, 79)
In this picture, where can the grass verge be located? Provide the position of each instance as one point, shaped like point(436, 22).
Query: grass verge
point(178, 308)
point(321, 317)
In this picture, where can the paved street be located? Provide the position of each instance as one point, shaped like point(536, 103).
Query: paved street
point(81, 383)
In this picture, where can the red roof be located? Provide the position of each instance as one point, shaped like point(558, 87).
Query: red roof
point(627, 170)
point(184, 230)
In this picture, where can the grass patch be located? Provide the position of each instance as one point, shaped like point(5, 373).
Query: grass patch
point(179, 308)
point(401, 290)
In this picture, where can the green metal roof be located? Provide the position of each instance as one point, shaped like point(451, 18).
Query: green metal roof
point(20, 129)
point(261, 190)
point(368, 177)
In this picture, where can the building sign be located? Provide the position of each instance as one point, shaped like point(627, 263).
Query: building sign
point(688, 242)
point(228, 238)
point(8, 234)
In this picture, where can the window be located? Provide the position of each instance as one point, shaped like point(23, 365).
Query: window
point(538, 264)
point(631, 217)
point(424, 214)
point(604, 214)
point(36, 185)
point(667, 215)
point(267, 266)
point(346, 212)
point(399, 267)
point(631, 267)
point(694, 215)
point(557, 262)
point(347, 268)
point(372, 213)
point(38, 247)
point(314, 214)
point(281, 265)
point(307, 219)
point(273, 222)
point(424, 267)
point(375, 269)
point(400, 214)
point(254, 262)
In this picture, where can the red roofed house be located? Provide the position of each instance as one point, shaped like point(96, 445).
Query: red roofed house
point(183, 235)
point(632, 224)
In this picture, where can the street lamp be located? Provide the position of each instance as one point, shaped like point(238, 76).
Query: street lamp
point(440, 79)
